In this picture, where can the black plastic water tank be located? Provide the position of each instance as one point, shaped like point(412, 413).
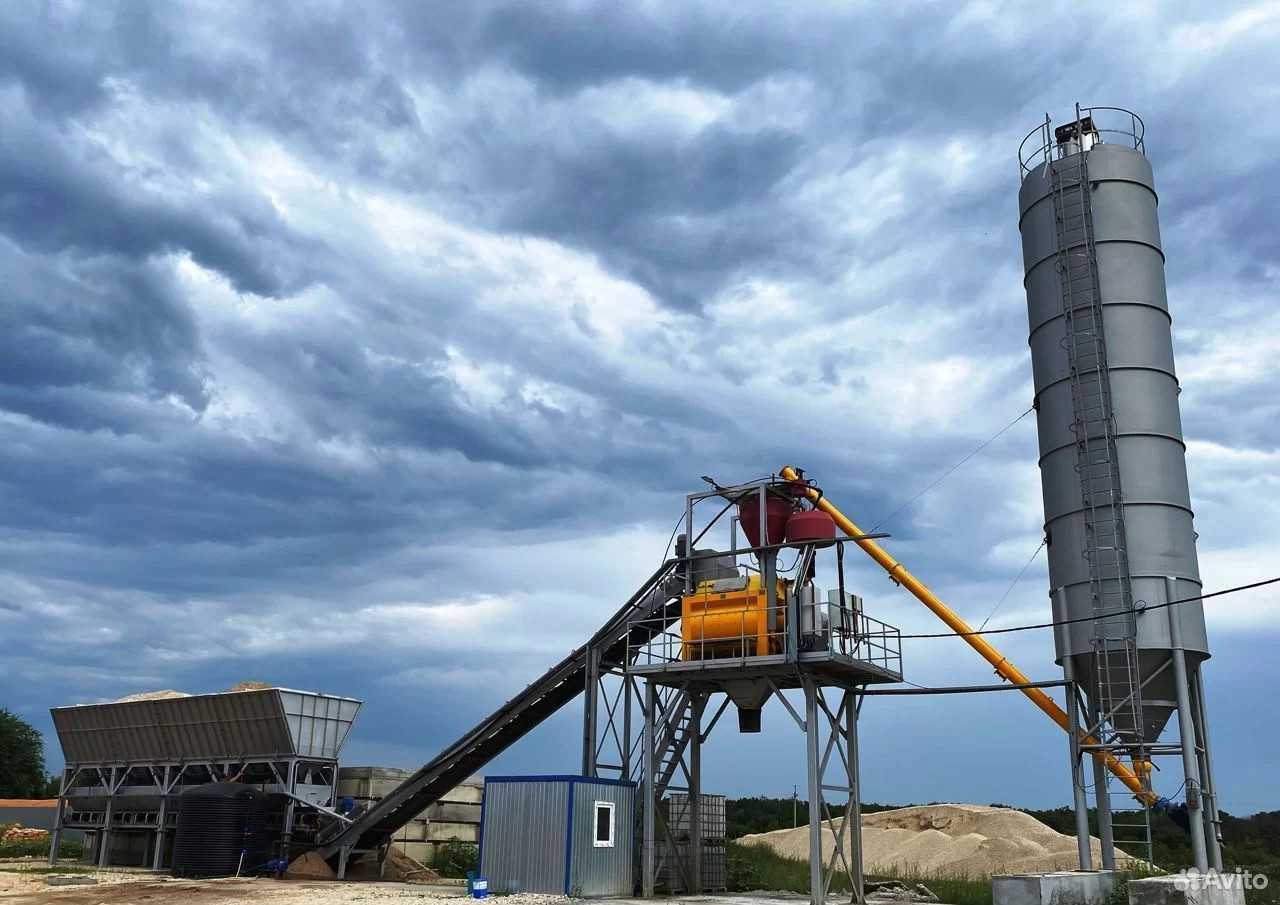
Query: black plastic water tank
point(222, 830)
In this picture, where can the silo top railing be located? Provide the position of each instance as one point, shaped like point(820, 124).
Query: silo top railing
point(1039, 144)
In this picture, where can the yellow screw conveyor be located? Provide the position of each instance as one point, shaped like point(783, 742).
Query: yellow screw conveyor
point(898, 572)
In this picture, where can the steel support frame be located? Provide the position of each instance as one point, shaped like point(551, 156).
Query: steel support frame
point(166, 777)
point(672, 734)
point(833, 731)
point(1192, 749)
point(609, 747)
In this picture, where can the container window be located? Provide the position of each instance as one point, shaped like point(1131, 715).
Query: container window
point(604, 824)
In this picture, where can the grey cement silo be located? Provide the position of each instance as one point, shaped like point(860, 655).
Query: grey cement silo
point(1091, 250)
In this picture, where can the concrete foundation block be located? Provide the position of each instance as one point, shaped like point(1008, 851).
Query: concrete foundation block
point(1190, 888)
point(69, 880)
point(1068, 887)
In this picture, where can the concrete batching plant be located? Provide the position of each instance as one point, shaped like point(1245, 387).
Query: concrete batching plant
point(728, 625)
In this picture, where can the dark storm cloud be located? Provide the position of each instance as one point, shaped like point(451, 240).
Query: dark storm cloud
point(569, 47)
point(60, 195)
point(312, 312)
point(95, 327)
point(678, 219)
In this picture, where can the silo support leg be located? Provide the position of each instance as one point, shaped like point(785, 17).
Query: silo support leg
point(1102, 797)
point(1077, 769)
point(1187, 734)
point(1213, 822)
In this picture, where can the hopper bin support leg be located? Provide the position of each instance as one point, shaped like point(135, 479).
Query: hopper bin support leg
point(161, 818)
point(55, 840)
point(1006, 670)
point(104, 835)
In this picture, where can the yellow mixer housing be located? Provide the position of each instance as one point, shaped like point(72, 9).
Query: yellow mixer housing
point(730, 617)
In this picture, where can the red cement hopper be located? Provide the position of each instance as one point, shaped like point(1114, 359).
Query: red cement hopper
point(811, 526)
point(778, 510)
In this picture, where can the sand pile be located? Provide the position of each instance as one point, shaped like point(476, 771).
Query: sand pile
point(945, 840)
point(250, 685)
point(407, 870)
point(310, 866)
point(162, 695)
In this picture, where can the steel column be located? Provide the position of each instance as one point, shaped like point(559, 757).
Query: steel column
point(590, 704)
point(104, 837)
point(647, 853)
point(817, 892)
point(161, 817)
point(1102, 798)
point(1187, 733)
point(627, 687)
point(695, 794)
point(55, 840)
point(291, 786)
point(1213, 821)
point(853, 705)
point(1078, 800)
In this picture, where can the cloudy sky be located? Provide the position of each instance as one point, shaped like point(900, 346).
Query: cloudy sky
point(370, 347)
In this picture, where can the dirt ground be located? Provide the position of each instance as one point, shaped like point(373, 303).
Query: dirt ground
point(116, 888)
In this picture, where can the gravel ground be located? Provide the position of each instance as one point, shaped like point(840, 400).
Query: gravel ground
point(121, 889)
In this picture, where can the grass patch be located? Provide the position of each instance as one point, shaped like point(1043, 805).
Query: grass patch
point(760, 867)
point(39, 848)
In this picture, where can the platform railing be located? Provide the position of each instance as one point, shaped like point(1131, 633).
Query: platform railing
point(1114, 125)
point(849, 632)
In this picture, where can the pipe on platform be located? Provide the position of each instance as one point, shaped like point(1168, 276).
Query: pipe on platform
point(1006, 670)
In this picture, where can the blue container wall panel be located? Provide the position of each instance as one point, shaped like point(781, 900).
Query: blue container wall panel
point(524, 826)
point(594, 870)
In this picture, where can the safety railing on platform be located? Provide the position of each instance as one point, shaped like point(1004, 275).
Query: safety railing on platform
point(753, 635)
point(1111, 125)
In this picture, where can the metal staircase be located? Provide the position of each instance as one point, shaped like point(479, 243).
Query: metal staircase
point(653, 607)
point(1116, 681)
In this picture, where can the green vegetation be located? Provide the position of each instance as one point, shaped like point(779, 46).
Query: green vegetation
point(455, 858)
point(21, 758)
point(1248, 842)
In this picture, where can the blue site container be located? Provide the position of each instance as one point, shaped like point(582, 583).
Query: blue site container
point(561, 835)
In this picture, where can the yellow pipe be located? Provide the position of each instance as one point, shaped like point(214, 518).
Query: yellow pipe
point(898, 572)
